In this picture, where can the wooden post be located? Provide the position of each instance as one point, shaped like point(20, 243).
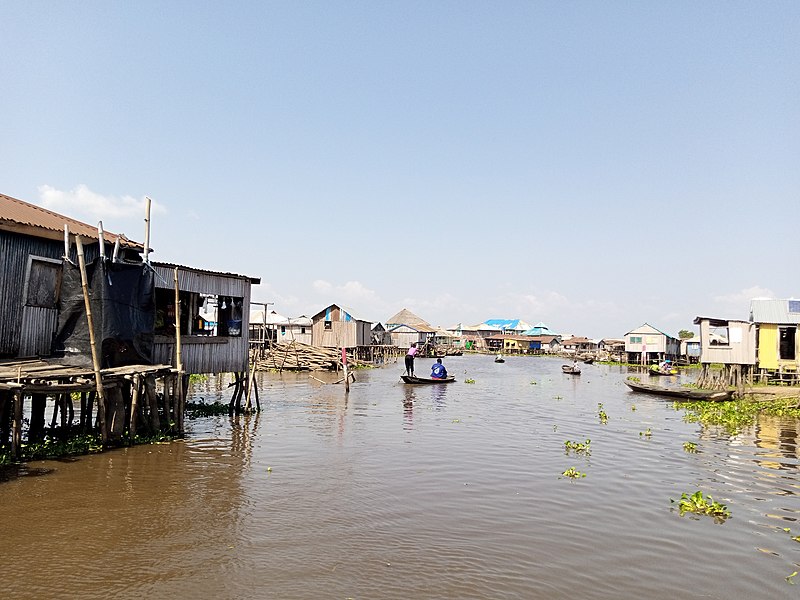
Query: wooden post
point(152, 401)
point(98, 380)
point(178, 389)
point(346, 375)
point(137, 380)
point(147, 230)
point(16, 424)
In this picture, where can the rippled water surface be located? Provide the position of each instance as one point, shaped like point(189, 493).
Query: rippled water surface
point(400, 491)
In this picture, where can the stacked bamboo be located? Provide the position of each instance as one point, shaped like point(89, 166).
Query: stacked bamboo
point(295, 356)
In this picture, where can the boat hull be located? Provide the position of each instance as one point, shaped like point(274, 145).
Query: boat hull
point(681, 393)
point(570, 370)
point(425, 380)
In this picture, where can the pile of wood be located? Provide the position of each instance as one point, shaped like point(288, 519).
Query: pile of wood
point(294, 356)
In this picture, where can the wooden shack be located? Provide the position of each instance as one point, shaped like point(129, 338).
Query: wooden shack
point(730, 343)
point(337, 327)
point(31, 250)
point(646, 344)
point(777, 323)
point(221, 349)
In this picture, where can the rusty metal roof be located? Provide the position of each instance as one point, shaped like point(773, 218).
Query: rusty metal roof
point(16, 212)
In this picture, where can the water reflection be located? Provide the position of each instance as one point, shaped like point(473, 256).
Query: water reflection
point(397, 491)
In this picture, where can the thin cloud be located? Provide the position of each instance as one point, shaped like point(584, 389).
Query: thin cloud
point(738, 303)
point(84, 203)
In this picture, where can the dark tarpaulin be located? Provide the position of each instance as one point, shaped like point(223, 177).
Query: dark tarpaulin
point(122, 298)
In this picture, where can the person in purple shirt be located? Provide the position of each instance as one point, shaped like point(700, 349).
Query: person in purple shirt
point(438, 371)
point(412, 352)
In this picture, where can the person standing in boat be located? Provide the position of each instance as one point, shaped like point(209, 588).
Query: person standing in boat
point(412, 353)
point(438, 371)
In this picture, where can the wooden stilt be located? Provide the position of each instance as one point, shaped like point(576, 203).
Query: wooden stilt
point(95, 359)
point(152, 402)
point(16, 425)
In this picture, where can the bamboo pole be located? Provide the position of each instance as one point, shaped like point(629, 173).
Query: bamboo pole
point(101, 239)
point(178, 389)
point(147, 230)
point(98, 380)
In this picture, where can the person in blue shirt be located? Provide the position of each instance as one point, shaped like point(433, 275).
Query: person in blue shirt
point(438, 371)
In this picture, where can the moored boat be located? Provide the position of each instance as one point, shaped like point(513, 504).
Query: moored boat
point(422, 380)
point(683, 393)
point(656, 371)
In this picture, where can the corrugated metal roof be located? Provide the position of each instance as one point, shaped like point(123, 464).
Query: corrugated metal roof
point(774, 311)
point(14, 211)
point(165, 265)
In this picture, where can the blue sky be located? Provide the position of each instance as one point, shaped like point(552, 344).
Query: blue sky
point(593, 165)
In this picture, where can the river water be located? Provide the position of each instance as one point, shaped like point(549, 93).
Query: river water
point(397, 491)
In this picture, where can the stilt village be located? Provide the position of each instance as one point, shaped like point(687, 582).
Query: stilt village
point(95, 338)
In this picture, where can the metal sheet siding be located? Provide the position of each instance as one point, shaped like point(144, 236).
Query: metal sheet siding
point(14, 252)
point(208, 355)
point(37, 330)
point(202, 283)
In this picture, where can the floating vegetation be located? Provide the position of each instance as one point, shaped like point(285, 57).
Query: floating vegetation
point(734, 415)
point(558, 397)
point(195, 410)
point(555, 427)
point(601, 413)
point(469, 381)
point(633, 407)
point(573, 473)
point(790, 578)
point(533, 382)
point(689, 447)
point(646, 433)
point(634, 379)
point(700, 505)
point(578, 447)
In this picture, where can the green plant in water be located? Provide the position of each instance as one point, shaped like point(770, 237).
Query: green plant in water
point(195, 410)
point(633, 407)
point(698, 504)
point(557, 398)
point(689, 447)
point(790, 578)
point(578, 447)
point(533, 382)
point(573, 473)
point(646, 433)
point(469, 381)
point(601, 413)
point(633, 378)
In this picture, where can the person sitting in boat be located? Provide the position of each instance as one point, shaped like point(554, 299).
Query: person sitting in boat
point(438, 371)
point(664, 366)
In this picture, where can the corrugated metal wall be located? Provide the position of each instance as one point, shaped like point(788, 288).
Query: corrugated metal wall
point(14, 252)
point(201, 354)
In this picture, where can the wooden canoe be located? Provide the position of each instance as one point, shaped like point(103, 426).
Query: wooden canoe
point(418, 380)
point(683, 393)
point(570, 370)
point(660, 372)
